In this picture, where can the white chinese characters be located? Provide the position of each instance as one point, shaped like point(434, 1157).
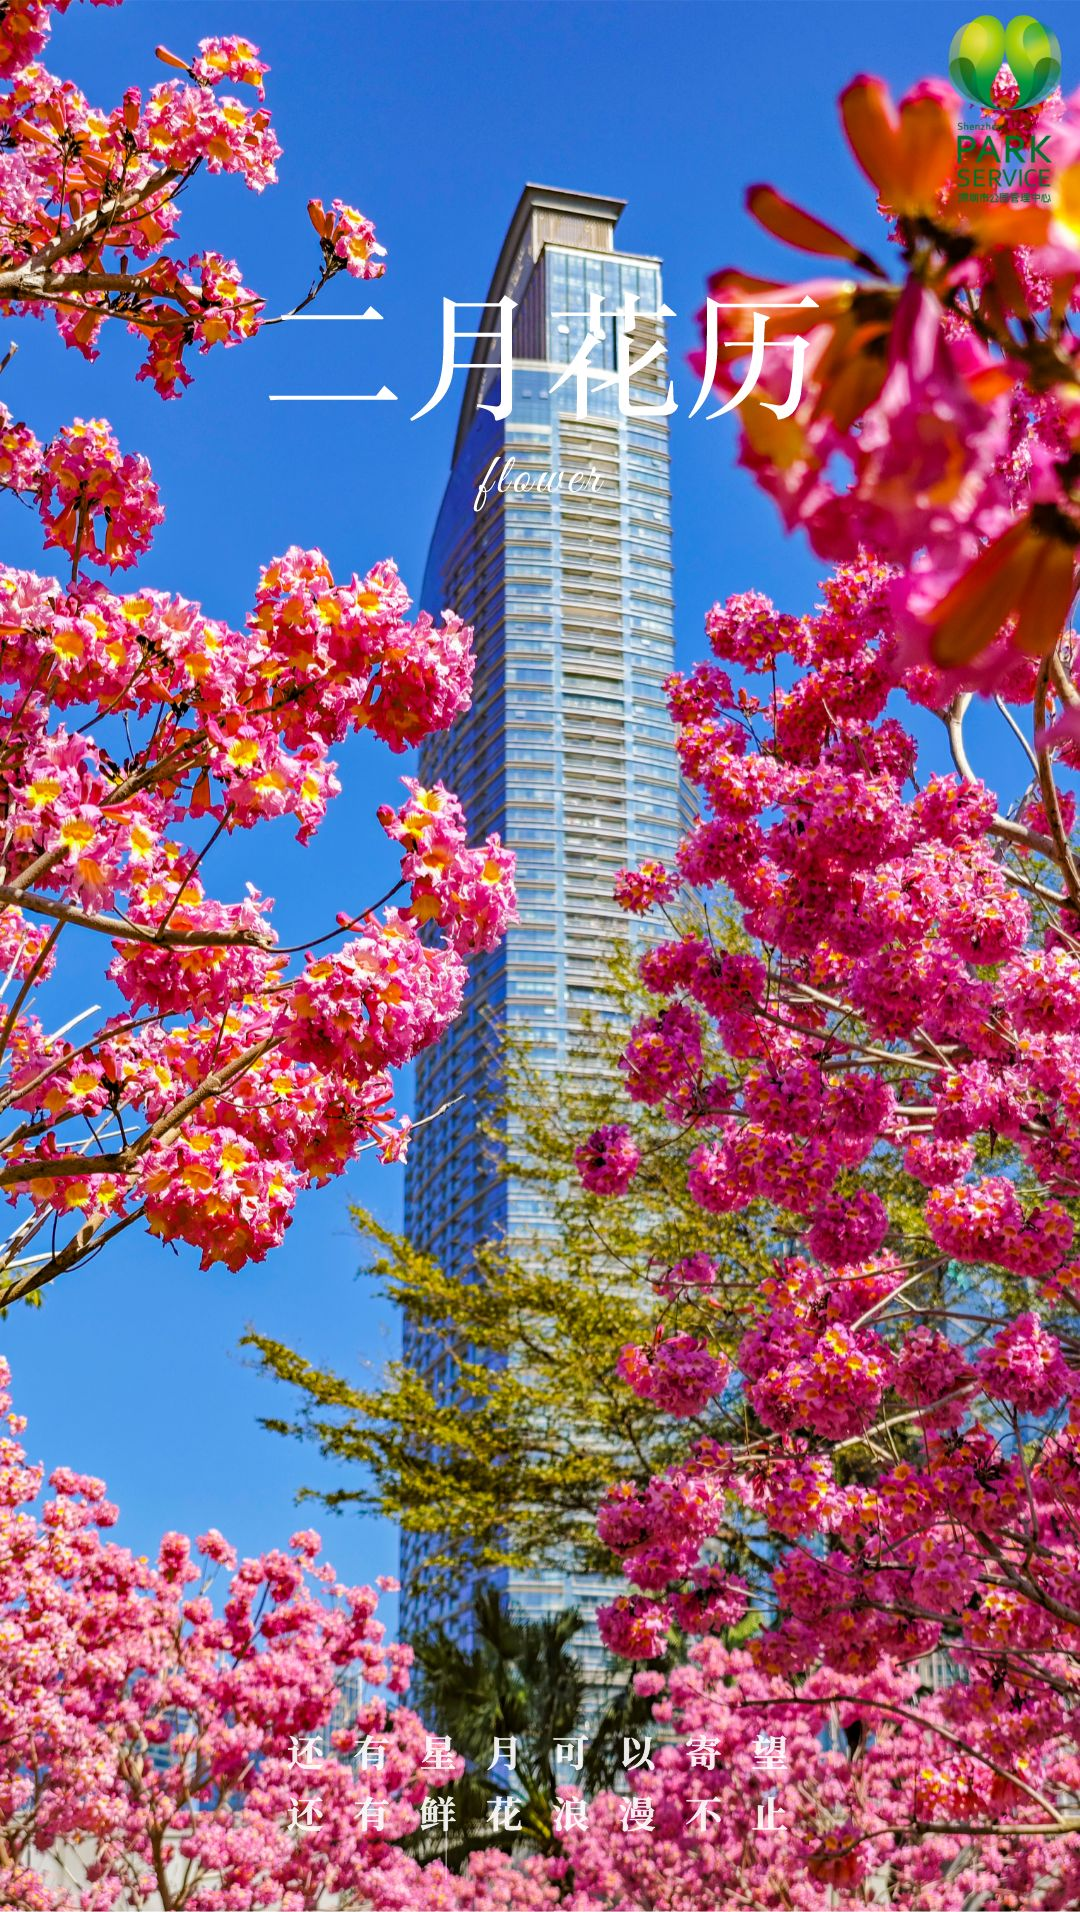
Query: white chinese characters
point(605, 359)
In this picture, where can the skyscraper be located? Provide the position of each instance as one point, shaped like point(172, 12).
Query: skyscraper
point(567, 749)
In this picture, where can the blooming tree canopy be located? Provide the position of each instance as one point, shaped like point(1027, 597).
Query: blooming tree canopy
point(899, 1436)
point(137, 731)
point(757, 1795)
point(166, 1740)
point(168, 1736)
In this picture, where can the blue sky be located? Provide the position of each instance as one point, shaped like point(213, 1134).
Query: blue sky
point(431, 118)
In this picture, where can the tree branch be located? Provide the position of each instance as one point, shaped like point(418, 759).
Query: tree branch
point(123, 931)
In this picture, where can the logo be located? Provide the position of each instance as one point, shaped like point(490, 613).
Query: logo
point(1032, 52)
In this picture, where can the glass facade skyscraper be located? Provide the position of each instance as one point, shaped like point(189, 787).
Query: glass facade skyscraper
point(567, 749)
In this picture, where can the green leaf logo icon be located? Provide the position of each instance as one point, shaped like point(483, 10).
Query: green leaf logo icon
point(975, 57)
point(1032, 51)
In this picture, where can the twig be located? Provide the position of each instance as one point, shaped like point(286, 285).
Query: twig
point(1048, 788)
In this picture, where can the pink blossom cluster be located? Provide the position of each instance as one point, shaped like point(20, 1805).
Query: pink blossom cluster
point(662, 1061)
point(931, 1373)
point(660, 1532)
point(609, 1160)
point(88, 198)
point(984, 1221)
point(469, 893)
point(639, 889)
point(348, 239)
point(693, 1272)
point(94, 503)
point(678, 1373)
point(1025, 1366)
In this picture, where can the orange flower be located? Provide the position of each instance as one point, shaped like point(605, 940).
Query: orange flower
point(908, 157)
point(1028, 574)
point(848, 361)
point(802, 229)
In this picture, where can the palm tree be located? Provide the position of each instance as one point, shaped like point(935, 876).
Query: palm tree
point(519, 1680)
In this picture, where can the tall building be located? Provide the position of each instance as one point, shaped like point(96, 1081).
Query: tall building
point(567, 749)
